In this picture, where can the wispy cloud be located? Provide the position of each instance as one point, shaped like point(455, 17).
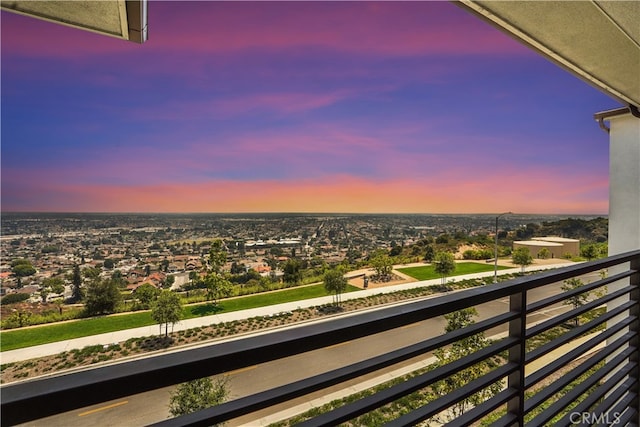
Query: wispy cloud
point(227, 106)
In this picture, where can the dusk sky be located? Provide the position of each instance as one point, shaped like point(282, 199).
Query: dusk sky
point(390, 107)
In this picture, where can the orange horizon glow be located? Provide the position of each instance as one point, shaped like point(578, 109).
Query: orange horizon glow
point(340, 194)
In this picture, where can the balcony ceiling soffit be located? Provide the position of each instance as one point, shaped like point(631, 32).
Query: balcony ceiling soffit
point(107, 17)
point(597, 40)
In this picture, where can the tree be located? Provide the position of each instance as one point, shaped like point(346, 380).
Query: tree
point(103, 296)
point(544, 253)
point(590, 252)
point(217, 256)
point(56, 284)
point(395, 250)
point(169, 281)
point(44, 292)
point(382, 264)
point(76, 284)
point(292, 272)
point(442, 239)
point(444, 264)
point(193, 276)
point(217, 287)
point(336, 283)
point(577, 300)
point(457, 350)
point(91, 273)
point(166, 309)
point(53, 285)
point(20, 261)
point(109, 263)
point(429, 253)
point(522, 257)
point(237, 268)
point(116, 275)
point(23, 268)
point(198, 394)
point(146, 293)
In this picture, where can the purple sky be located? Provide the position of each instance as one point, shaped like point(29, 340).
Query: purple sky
point(296, 107)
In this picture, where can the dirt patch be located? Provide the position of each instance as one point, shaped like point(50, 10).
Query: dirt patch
point(27, 307)
point(396, 278)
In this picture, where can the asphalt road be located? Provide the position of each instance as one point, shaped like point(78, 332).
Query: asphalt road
point(152, 407)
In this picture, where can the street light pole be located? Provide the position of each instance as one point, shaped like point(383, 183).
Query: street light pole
point(495, 253)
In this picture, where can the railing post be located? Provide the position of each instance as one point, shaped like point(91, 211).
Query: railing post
point(517, 329)
point(635, 341)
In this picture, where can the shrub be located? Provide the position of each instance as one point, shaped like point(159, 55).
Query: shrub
point(18, 319)
point(14, 298)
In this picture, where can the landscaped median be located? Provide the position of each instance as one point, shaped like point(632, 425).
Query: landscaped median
point(37, 335)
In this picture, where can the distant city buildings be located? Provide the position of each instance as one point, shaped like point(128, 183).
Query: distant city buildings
point(146, 248)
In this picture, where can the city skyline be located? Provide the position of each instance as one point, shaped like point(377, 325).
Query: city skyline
point(414, 107)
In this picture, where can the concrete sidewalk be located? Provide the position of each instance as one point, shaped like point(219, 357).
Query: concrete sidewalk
point(119, 336)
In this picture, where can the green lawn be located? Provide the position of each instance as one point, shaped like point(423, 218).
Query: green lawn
point(427, 272)
point(11, 340)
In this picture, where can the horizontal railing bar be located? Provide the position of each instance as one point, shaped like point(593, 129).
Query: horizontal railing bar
point(397, 391)
point(604, 388)
point(599, 392)
point(565, 317)
point(625, 411)
point(432, 408)
point(554, 299)
point(485, 408)
point(559, 384)
point(565, 359)
point(252, 403)
point(616, 399)
point(573, 394)
point(630, 417)
point(576, 332)
point(507, 420)
point(627, 417)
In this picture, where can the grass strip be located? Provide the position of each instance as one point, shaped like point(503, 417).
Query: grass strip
point(15, 339)
point(428, 272)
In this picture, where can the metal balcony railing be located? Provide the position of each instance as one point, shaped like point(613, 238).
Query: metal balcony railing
point(610, 389)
